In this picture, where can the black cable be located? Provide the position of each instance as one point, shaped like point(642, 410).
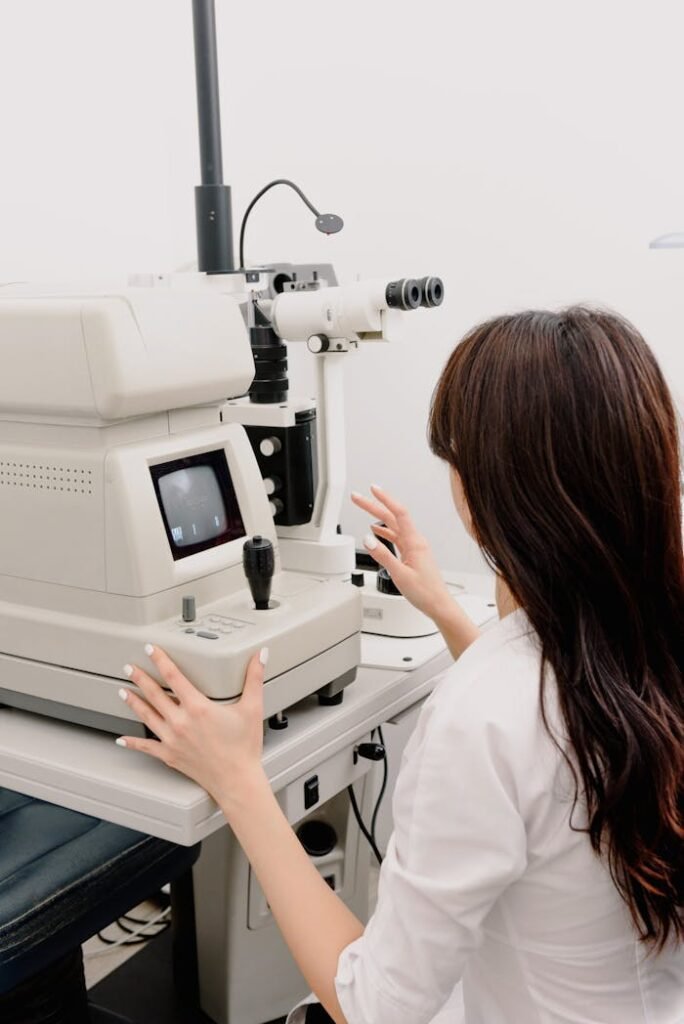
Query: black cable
point(139, 940)
point(257, 197)
point(161, 926)
point(127, 942)
point(129, 919)
point(370, 834)
point(383, 788)
point(108, 942)
point(359, 821)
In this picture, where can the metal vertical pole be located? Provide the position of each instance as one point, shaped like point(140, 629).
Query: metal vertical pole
point(213, 211)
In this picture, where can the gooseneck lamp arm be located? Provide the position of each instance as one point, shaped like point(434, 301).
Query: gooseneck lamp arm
point(328, 223)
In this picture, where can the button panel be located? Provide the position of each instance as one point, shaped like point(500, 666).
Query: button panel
point(212, 627)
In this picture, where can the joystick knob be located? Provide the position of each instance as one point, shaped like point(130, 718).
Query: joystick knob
point(258, 561)
point(386, 584)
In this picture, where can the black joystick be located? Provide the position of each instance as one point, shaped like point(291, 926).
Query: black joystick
point(258, 561)
point(386, 585)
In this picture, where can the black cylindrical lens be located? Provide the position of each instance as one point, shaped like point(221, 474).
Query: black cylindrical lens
point(403, 294)
point(431, 292)
point(270, 384)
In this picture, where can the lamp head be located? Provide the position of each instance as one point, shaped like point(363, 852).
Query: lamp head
point(329, 223)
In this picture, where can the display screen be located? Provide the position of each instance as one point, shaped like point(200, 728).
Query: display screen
point(198, 503)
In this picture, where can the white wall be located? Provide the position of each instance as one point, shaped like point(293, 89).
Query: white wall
point(526, 151)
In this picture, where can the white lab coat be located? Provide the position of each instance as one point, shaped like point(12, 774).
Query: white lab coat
point(484, 880)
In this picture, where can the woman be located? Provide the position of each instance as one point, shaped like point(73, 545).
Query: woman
point(538, 851)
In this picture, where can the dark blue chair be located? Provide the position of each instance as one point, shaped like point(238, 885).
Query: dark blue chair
point(63, 877)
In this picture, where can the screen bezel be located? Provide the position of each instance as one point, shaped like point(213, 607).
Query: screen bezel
point(216, 460)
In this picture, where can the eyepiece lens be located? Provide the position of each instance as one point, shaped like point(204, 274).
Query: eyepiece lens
point(413, 295)
point(410, 294)
point(403, 294)
point(432, 292)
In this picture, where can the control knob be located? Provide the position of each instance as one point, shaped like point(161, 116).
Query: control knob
point(270, 446)
point(272, 484)
point(386, 584)
point(258, 561)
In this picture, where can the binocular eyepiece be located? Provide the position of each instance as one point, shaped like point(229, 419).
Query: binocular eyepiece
point(409, 293)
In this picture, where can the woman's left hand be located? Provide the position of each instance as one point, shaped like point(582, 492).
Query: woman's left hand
point(219, 746)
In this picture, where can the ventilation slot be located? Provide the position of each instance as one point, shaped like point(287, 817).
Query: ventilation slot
point(44, 477)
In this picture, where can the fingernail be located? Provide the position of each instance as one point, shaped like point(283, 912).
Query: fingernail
point(376, 487)
point(149, 650)
point(263, 655)
point(123, 694)
point(128, 670)
point(355, 494)
point(370, 541)
point(121, 742)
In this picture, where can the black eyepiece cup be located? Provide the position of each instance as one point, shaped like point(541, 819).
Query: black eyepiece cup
point(403, 294)
point(431, 292)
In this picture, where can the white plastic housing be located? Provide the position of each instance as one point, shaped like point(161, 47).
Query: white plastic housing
point(353, 311)
point(98, 390)
point(101, 358)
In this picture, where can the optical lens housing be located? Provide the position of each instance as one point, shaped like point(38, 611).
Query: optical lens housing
point(431, 292)
point(403, 294)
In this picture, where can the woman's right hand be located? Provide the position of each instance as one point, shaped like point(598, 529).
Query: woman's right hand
point(413, 570)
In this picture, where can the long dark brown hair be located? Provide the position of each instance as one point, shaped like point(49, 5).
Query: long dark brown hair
point(564, 434)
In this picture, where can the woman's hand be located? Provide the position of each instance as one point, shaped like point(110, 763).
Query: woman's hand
point(219, 746)
point(415, 571)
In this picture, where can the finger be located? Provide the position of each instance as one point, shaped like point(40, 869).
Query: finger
point(151, 747)
point(253, 688)
point(147, 715)
point(382, 555)
point(171, 674)
point(383, 531)
point(373, 508)
point(397, 510)
point(154, 694)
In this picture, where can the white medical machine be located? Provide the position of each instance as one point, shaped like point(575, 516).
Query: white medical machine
point(155, 474)
point(125, 505)
point(159, 484)
point(130, 494)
